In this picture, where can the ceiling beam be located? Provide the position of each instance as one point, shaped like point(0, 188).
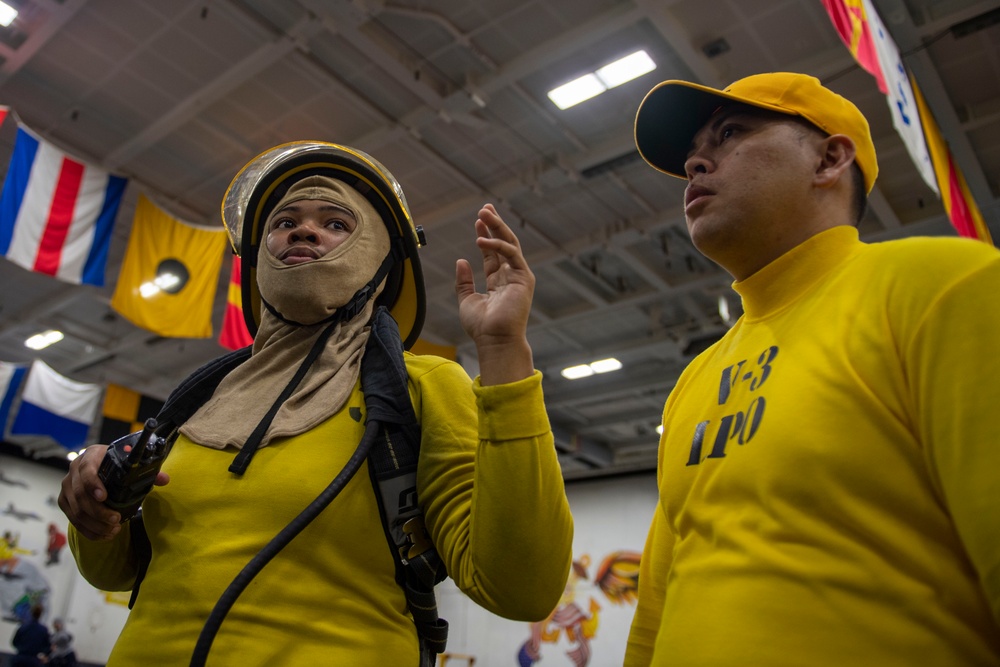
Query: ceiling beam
point(658, 13)
point(588, 450)
point(215, 90)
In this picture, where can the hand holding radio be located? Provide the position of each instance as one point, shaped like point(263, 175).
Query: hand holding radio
point(98, 503)
point(130, 467)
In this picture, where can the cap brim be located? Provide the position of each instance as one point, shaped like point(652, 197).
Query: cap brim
point(669, 117)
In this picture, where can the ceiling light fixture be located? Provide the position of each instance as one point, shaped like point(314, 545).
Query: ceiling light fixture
point(586, 370)
point(577, 372)
point(7, 14)
point(43, 340)
point(606, 365)
point(576, 91)
point(590, 85)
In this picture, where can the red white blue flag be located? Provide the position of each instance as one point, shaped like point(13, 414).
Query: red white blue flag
point(57, 213)
point(56, 407)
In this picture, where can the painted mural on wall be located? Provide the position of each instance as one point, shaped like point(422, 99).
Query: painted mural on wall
point(571, 625)
point(23, 579)
point(36, 565)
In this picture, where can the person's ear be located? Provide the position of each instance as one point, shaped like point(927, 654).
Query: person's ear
point(836, 157)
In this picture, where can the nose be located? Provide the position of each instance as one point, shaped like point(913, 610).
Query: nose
point(697, 163)
point(304, 232)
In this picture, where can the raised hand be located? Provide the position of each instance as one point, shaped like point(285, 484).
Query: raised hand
point(497, 320)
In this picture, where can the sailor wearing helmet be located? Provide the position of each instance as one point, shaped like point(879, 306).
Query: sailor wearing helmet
point(327, 240)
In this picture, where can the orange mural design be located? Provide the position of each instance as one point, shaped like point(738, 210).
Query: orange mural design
point(618, 579)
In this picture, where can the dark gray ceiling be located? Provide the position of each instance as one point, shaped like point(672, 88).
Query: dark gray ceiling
point(451, 96)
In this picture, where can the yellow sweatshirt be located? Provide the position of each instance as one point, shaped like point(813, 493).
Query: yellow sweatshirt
point(494, 505)
point(829, 471)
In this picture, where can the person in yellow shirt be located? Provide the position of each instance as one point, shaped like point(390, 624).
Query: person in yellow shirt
point(829, 471)
point(327, 239)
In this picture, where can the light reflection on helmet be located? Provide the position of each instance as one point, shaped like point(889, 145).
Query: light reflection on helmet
point(264, 180)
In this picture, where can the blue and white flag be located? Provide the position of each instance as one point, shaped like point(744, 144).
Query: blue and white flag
point(57, 407)
point(57, 213)
point(11, 376)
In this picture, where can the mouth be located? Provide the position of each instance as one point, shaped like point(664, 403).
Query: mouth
point(695, 194)
point(298, 255)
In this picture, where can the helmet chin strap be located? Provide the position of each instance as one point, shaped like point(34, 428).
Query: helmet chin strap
point(343, 314)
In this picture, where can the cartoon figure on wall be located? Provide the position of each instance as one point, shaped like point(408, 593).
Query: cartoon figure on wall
point(617, 577)
point(9, 554)
point(57, 540)
point(21, 584)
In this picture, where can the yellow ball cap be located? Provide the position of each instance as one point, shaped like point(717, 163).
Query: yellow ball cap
point(673, 112)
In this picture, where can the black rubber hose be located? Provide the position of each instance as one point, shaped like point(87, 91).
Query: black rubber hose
point(277, 543)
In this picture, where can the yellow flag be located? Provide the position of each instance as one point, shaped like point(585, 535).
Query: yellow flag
point(171, 271)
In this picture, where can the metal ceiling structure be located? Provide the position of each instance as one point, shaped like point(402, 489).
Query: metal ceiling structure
point(451, 96)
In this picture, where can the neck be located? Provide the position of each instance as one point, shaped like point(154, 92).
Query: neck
point(773, 241)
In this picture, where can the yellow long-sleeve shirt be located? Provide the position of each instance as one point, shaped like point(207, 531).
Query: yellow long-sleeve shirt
point(494, 505)
point(829, 472)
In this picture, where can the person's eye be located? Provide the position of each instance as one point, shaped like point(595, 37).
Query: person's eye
point(339, 225)
point(282, 223)
point(727, 132)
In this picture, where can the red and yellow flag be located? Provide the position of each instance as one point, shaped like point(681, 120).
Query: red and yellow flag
point(849, 19)
point(234, 334)
point(955, 195)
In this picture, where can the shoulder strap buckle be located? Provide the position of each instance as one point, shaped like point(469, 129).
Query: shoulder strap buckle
point(417, 539)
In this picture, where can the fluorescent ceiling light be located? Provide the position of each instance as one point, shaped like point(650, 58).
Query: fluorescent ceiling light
point(724, 308)
point(628, 68)
point(7, 14)
point(586, 370)
point(577, 372)
point(43, 340)
point(659, 429)
point(72, 455)
point(593, 84)
point(606, 365)
point(576, 91)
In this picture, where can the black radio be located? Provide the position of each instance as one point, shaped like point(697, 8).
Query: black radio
point(130, 466)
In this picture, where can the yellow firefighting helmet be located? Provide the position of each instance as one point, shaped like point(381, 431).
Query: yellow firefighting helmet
point(265, 179)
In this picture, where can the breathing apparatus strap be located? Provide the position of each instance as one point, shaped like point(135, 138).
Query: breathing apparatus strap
point(194, 391)
point(392, 465)
point(183, 402)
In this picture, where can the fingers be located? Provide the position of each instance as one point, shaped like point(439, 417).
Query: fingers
point(495, 236)
point(82, 494)
point(464, 282)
